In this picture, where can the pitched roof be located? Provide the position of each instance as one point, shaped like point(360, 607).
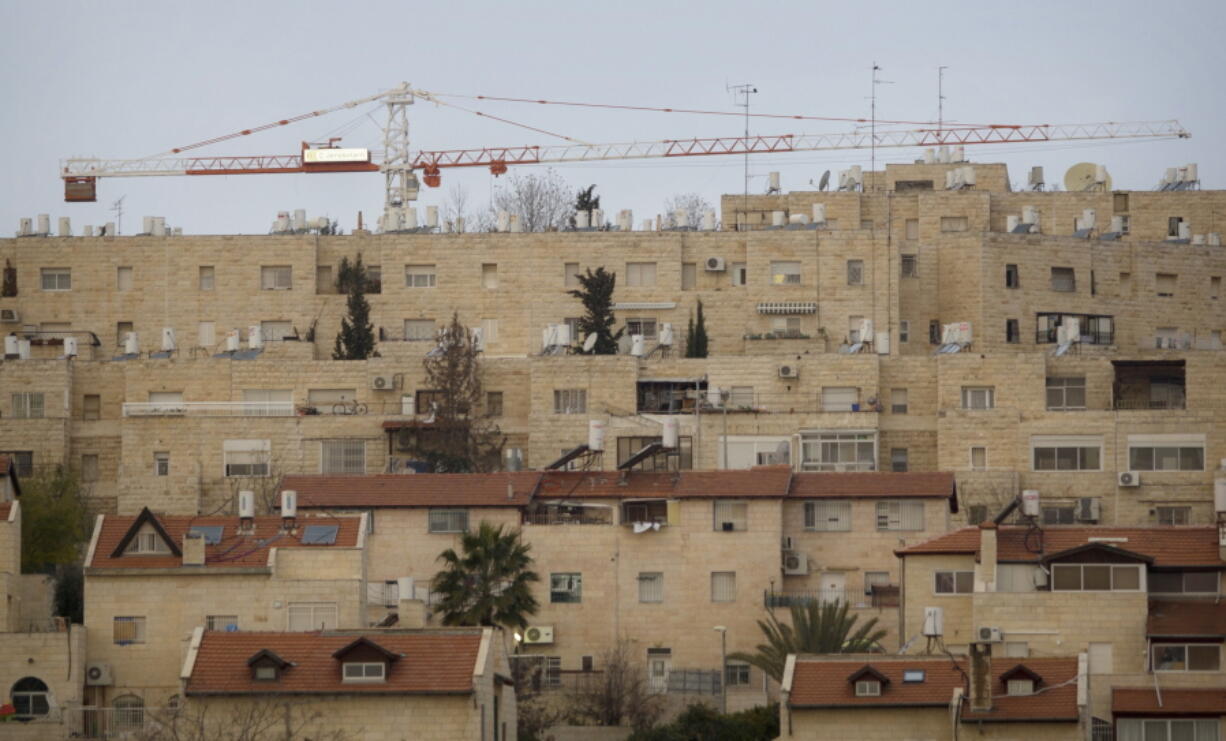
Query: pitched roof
point(1192, 545)
point(874, 484)
point(820, 683)
point(413, 490)
point(234, 549)
point(1186, 618)
point(433, 662)
point(1144, 701)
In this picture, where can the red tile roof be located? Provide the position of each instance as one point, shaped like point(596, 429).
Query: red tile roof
point(235, 549)
point(413, 490)
point(433, 662)
point(1186, 618)
point(843, 485)
point(825, 684)
point(1169, 546)
point(762, 481)
point(1144, 701)
point(596, 484)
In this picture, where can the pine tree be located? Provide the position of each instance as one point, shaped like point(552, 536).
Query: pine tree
point(356, 340)
point(597, 298)
point(696, 341)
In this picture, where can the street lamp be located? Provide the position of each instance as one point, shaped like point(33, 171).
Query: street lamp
point(723, 668)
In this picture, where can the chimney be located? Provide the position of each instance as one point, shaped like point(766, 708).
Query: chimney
point(411, 611)
point(981, 677)
point(985, 570)
point(193, 549)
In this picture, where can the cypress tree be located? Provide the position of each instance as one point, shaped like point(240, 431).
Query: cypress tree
point(356, 340)
point(597, 298)
point(697, 343)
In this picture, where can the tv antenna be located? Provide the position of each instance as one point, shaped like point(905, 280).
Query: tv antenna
point(117, 209)
point(941, 97)
point(873, 125)
point(744, 90)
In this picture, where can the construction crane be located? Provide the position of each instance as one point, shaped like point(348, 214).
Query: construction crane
point(399, 165)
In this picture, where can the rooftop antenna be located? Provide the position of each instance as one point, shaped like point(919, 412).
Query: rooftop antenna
point(873, 126)
point(745, 90)
point(941, 99)
point(117, 207)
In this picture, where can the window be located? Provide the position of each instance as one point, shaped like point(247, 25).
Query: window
point(785, 272)
point(1013, 278)
point(912, 229)
point(730, 516)
point(875, 579)
point(900, 515)
point(276, 330)
point(419, 276)
point(739, 274)
point(741, 397)
point(246, 457)
point(736, 673)
point(28, 405)
point(1119, 203)
point(1059, 515)
point(640, 274)
point(839, 398)
point(89, 467)
point(651, 586)
point(30, 698)
point(221, 622)
point(953, 223)
point(122, 330)
point(786, 326)
point(91, 407)
point(1166, 284)
point(979, 458)
point(659, 661)
point(129, 714)
point(311, 616)
point(645, 327)
point(56, 279)
point(978, 397)
point(566, 587)
point(493, 403)
point(1172, 225)
point(868, 688)
point(324, 284)
point(1163, 729)
point(1166, 452)
point(1013, 332)
point(128, 629)
point(975, 514)
point(266, 673)
point(1215, 286)
point(898, 460)
point(147, 540)
point(689, 276)
point(838, 451)
point(1063, 280)
point(276, 277)
point(123, 278)
point(1066, 393)
point(854, 323)
point(364, 671)
point(955, 582)
point(723, 586)
point(1066, 452)
point(342, 456)
point(267, 402)
point(1174, 515)
point(22, 460)
point(489, 276)
point(206, 335)
point(1183, 582)
point(161, 463)
point(910, 266)
point(898, 401)
point(570, 401)
point(570, 274)
point(828, 515)
point(1095, 577)
point(419, 330)
point(448, 521)
point(904, 330)
point(934, 332)
point(1019, 687)
point(855, 272)
point(1186, 657)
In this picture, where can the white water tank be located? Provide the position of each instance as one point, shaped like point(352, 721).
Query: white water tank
point(289, 503)
point(146, 225)
point(70, 347)
point(299, 220)
point(1193, 174)
point(65, 226)
point(109, 230)
point(595, 435)
point(943, 154)
point(232, 340)
point(25, 227)
point(282, 223)
point(708, 221)
point(1117, 224)
point(583, 219)
point(1185, 230)
point(597, 218)
point(638, 346)
point(773, 179)
point(671, 432)
point(131, 345)
point(432, 217)
point(159, 226)
point(647, 225)
point(625, 220)
point(819, 213)
point(404, 586)
point(680, 218)
point(563, 335)
point(391, 221)
point(88, 231)
point(168, 339)
point(1030, 503)
point(10, 345)
point(1088, 218)
point(410, 218)
point(959, 153)
point(968, 175)
point(246, 503)
point(934, 621)
point(517, 225)
point(1100, 174)
point(23, 349)
point(778, 218)
point(255, 337)
point(1011, 222)
point(666, 334)
point(44, 224)
point(504, 221)
point(800, 219)
point(930, 156)
point(1030, 215)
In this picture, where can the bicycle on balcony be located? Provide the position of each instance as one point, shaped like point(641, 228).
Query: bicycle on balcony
point(349, 407)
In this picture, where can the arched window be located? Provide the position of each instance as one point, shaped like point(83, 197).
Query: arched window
point(30, 698)
point(129, 713)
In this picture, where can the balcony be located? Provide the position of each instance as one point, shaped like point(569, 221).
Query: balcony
point(209, 409)
point(882, 595)
point(587, 516)
point(1149, 385)
point(1092, 329)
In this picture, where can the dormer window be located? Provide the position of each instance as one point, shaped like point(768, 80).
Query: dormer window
point(148, 542)
point(365, 671)
point(1020, 681)
point(266, 666)
point(868, 688)
point(1016, 687)
point(266, 673)
point(868, 682)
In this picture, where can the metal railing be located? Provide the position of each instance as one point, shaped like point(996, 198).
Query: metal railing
point(1149, 404)
point(882, 595)
point(388, 594)
point(107, 723)
point(1087, 337)
point(601, 517)
point(209, 409)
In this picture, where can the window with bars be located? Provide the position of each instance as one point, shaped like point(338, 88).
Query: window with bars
point(900, 515)
point(493, 403)
point(28, 405)
point(1061, 456)
point(128, 629)
point(785, 272)
point(448, 521)
point(723, 586)
point(566, 587)
point(645, 327)
point(570, 401)
point(1059, 515)
point(1187, 657)
point(1165, 729)
point(1166, 458)
point(651, 586)
point(898, 401)
point(276, 277)
point(910, 266)
point(730, 516)
point(56, 279)
point(304, 616)
point(246, 457)
point(220, 622)
point(855, 272)
point(828, 515)
point(419, 276)
point(838, 451)
point(978, 397)
point(21, 460)
point(364, 671)
point(161, 463)
point(342, 456)
point(736, 673)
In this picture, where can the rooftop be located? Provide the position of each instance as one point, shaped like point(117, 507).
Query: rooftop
point(1144, 701)
point(413, 490)
point(1187, 619)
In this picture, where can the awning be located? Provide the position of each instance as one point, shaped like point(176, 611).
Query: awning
point(788, 307)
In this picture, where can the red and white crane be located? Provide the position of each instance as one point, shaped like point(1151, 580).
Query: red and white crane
point(399, 164)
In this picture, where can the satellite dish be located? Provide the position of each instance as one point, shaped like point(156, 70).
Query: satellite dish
point(1083, 176)
point(589, 342)
point(825, 182)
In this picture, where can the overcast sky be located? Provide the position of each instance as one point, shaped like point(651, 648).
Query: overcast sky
point(129, 79)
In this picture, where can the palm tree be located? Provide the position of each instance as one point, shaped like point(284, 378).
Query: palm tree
point(490, 582)
point(816, 629)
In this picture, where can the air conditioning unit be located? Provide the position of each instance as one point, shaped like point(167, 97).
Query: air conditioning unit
point(795, 563)
point(538, 634)
point(789, 371)
point(382, 383)
point(9, 315)
point(1129, 478)
point(987, 635)
point(1087, 509)
point(788, 542)
point(715, 265)
point(98, 675)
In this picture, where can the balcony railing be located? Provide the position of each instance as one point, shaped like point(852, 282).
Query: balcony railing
point(604, 517)
point(388, 594)
point(1149, 404)
point(209, 409)
point(1087, 337)
point(883, 595)
point(108, 723)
